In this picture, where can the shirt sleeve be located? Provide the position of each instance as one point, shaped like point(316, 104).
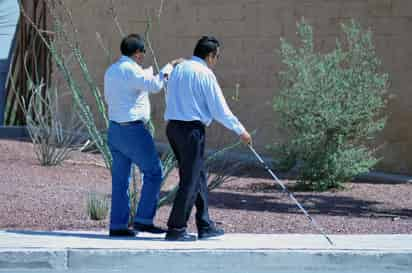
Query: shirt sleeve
point(140, 80)
point(218, 107)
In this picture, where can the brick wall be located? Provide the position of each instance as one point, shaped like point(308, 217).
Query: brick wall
point(250, 32)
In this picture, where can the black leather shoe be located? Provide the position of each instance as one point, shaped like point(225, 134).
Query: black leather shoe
point(210, 232)
point(122, 233)
point(182, 236)
point(148, 228)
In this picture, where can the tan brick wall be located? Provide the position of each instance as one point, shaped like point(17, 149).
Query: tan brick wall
point(250, 32)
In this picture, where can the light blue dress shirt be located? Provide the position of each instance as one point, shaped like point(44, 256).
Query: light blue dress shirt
point(127, 87)
point(193, 93)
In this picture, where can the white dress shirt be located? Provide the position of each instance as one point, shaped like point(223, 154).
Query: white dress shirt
point(193, 93)
point(126, 89)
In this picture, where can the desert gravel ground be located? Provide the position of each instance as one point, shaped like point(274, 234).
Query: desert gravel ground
point(54, 198)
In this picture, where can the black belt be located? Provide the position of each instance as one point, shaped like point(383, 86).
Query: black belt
point(189, 122)
point(134, 122)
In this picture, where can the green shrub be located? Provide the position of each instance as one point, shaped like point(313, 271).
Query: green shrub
point(97, 206)
point(331, 105)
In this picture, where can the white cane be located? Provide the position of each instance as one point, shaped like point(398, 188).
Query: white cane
point(284, 189)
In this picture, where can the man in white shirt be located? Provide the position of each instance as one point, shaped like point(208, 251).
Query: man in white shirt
point(193, 100)
point(126, 89)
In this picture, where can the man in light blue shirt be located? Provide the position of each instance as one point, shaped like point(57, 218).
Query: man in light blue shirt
point(193, 100)
point(126, 89)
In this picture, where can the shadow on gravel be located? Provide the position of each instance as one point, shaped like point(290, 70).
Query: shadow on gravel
point(315, 204)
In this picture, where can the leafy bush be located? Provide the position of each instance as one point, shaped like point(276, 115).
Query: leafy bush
point(331, 105)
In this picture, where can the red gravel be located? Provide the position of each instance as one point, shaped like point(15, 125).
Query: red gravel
point(54, 198)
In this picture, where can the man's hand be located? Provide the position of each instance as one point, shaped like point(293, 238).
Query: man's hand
point(246, 138)
point(176, 61)
point(166, 70)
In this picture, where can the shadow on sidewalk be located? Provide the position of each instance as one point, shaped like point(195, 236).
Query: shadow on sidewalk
point(86, 235)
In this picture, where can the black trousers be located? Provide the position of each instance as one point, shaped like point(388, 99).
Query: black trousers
point(187, 139)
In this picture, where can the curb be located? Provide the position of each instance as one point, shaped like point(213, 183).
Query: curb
point(199, 261)
point(88, 251)
point(14, 133)
point(387, 178)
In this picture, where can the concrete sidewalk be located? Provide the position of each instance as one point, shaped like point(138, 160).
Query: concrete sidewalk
point(61, 251)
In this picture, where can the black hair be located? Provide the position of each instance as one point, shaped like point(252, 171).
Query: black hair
point(205, 46)
point(132, 43)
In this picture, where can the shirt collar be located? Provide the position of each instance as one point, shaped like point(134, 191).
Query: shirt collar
point(127, 59)
point(199, 60)
point(124, 58)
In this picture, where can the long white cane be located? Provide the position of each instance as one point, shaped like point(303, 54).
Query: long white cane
point(284, 189)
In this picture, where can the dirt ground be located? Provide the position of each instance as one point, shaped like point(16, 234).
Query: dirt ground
point(54, 198)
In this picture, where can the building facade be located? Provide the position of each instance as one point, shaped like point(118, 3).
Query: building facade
point(250, 31)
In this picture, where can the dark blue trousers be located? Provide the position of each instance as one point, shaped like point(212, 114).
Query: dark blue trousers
point(129, 144)
point(187, 140)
